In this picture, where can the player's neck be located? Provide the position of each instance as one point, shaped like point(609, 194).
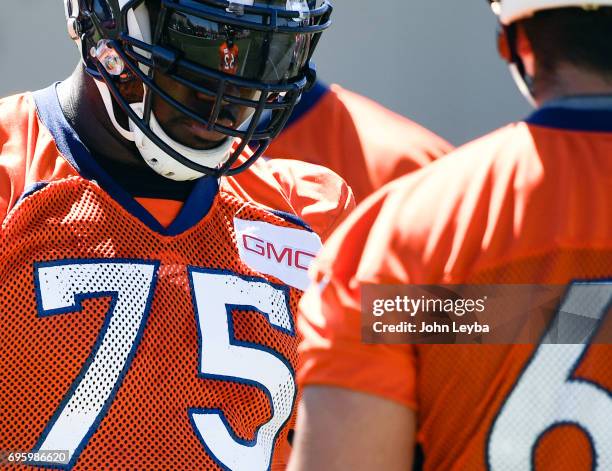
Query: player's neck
point(571, 81)
point(83, 107)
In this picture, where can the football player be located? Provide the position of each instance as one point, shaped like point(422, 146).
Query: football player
point(150, 268)
point(355, 137)
point(527, 204)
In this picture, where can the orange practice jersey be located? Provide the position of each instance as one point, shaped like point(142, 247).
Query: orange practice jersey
point(527, 204)
point(365, 143)
point(142, 335)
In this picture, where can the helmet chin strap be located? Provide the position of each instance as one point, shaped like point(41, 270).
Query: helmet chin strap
point(506, 45)
point(522, 84)
point(165, 165)
point(156, 158)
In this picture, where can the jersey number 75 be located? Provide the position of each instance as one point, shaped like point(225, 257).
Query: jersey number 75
point(60, 288)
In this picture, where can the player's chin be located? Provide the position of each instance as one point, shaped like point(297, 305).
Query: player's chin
point(196, 137)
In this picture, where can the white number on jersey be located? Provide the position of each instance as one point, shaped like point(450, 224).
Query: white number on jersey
point(62, 286)
point(547, 395)
point(222, 357)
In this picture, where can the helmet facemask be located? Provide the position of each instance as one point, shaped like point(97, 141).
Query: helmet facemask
point(247, 63)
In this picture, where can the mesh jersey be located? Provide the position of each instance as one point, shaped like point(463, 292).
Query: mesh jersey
point(365, 143)
point(528, 204)
point(133, 344)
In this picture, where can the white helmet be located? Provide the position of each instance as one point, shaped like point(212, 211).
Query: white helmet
point(510, 11)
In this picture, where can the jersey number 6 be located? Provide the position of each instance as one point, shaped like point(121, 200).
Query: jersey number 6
point(548, 395)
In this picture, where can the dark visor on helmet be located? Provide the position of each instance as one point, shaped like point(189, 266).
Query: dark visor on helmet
point(267, 57)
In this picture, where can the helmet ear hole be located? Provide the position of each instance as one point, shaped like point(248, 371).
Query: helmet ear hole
point(503, 46)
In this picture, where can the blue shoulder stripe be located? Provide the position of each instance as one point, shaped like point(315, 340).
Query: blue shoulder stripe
point(308, 101)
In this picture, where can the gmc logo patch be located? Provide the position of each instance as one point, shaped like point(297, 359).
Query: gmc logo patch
point(290, 256)
point(283, 252)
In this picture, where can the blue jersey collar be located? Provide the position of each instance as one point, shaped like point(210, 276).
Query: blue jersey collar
point(579, 113)
point(308, 101)
point(196, 206)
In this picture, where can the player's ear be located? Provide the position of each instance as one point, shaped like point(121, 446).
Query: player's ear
point(525, 50)
point(503, 45)
point(515, 38)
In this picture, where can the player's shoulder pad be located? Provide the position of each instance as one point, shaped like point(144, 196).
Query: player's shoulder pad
point(16, 111)
point(18, 121)
point(389, 130)
point(320, 196)
point(412, 229)
point(361, 236)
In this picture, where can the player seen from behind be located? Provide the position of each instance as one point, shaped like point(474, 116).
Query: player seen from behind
point(527, 204)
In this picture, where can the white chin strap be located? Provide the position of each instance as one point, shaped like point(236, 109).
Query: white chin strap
point(522, 86)
point(155, 157)
point(167, 166)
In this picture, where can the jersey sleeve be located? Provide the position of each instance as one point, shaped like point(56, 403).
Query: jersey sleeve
point(425, 228)
point(364, 142)
point(28, 154)
point(318, 195)
point(330, 318)
point(14, 126)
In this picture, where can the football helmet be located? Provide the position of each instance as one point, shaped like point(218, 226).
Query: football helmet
point(510, 11)
point(248, 61)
